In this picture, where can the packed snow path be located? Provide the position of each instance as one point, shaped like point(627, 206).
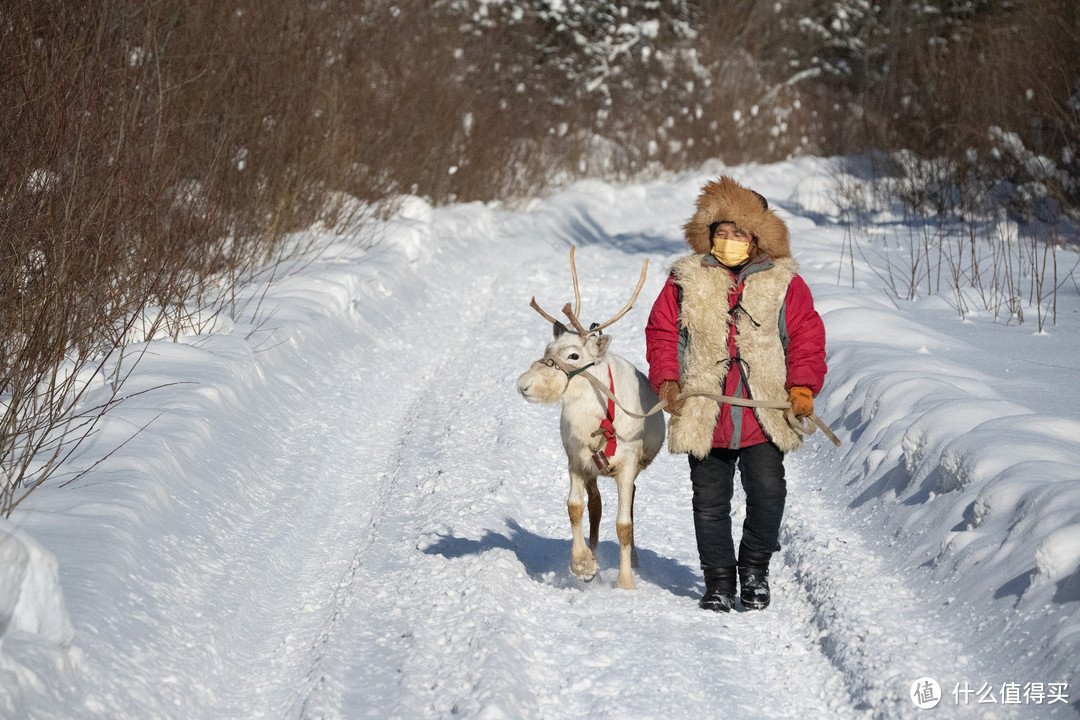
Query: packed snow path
point(375, 525)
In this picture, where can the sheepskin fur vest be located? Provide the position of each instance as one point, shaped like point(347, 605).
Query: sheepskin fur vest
point(705, 320)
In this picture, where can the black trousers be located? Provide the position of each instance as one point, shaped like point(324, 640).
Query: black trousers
point(761, 469)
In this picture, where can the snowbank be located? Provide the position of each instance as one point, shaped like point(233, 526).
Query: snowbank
point(34, 624)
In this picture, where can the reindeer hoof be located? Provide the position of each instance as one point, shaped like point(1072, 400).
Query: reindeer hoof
point(582, 574)
point(626, 583)
point(584, 568)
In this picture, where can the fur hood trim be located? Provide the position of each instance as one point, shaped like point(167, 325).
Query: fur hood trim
point(724, 200)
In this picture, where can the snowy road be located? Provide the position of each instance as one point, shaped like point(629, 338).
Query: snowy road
point(431, 578)
point(374, 524)
point(461, 603)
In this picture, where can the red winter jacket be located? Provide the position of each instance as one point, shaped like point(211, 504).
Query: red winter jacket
point(805, 350)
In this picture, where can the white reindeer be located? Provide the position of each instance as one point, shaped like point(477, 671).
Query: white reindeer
point(564, 374)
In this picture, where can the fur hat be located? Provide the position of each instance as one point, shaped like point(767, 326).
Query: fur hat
point(725, 200)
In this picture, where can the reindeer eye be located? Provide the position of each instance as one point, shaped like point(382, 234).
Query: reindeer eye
point(573, 356)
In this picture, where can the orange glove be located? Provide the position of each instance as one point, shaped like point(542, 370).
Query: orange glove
point(669, 390)
point(802, 401)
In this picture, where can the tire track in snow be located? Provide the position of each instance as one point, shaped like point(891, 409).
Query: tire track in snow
point(394, 572)
point(396, 488)
point(873, 625)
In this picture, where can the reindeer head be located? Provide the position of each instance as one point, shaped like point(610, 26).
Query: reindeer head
point(572, 350)
point(546, 380)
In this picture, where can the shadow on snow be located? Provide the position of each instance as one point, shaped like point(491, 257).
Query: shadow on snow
point(544, 557)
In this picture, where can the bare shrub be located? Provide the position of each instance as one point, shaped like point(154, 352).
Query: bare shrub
point(154, 154)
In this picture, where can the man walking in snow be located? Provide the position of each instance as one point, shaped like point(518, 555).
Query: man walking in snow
point(735, 319)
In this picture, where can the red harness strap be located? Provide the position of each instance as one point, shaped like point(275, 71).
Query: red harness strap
point(608, 424)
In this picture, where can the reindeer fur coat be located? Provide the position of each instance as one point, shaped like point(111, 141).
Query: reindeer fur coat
point(709, 320)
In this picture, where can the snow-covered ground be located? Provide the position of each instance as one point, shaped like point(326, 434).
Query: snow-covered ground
point(345, 510)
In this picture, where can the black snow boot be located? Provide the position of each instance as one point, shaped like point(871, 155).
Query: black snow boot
point(719, 590)
point(754, 578)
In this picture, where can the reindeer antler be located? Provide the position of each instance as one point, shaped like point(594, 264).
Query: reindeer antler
point(633, 298)
point(574, 321)
point(572, 312)
point(577, 294)
point(534, 306)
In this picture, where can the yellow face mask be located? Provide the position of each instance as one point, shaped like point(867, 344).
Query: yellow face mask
point(730, 252)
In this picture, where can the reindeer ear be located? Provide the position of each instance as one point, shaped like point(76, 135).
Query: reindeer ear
point(602, 343)
point(558, 329)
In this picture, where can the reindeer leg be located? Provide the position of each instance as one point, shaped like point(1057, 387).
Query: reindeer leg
point(624, 526)
point(582, 562)
point(633, 547)
point(595, 507)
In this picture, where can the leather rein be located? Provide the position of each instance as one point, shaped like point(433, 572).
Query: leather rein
point(812, 423)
